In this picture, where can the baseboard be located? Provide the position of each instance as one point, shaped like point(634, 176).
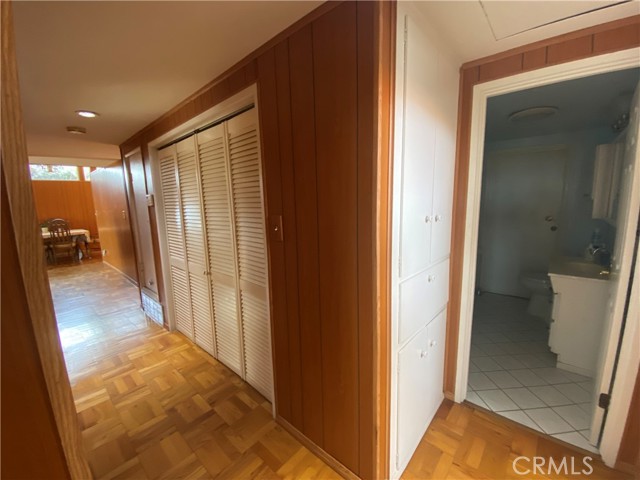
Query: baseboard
point(120, 272)
point(316, 450)
point(574, 369)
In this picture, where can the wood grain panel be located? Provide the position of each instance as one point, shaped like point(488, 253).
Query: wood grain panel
point(306, 200)
point(30, 448)
point(534, 59)
point(269, 136)
point(629, 452)
point(283, 89)
point(616, 39)
point(112, 214)
point(366, 234)
point(70, 200)
point(569, 50)
point(34, 308)
point(335, 50)
point(501, 68)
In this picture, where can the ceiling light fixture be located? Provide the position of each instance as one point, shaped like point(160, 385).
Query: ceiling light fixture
point(77, 130)
point(533, 113)
point(87, 113)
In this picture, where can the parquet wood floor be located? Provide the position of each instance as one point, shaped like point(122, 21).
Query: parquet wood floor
point(152, 405)
point(466, 442)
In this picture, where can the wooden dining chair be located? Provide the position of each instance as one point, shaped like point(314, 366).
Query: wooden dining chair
point(61, 241)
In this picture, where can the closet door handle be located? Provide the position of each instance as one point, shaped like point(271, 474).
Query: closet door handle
point(433, 343)
point(431, 278)
point(438, 218)
point(423, 353)
point(427, 219)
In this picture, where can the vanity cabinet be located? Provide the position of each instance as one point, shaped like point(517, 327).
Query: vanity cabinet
point(423, 170)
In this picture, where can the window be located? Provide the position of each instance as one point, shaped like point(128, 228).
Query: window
point(54, 172)
point(87, 173)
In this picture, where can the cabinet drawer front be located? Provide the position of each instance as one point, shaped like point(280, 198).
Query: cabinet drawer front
point(421, 297)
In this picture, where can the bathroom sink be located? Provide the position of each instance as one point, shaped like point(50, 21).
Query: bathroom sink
point(578, 268)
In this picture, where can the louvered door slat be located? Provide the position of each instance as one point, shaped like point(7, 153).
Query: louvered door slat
point(248, 212)
point(217, 212)
point(190, 197)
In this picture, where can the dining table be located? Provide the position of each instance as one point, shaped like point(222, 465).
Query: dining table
point(79, 235)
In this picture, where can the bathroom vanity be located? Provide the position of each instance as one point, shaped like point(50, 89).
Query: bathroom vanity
point(581, 293)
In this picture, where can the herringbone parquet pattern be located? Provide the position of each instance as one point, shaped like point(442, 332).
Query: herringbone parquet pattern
point(153, 405)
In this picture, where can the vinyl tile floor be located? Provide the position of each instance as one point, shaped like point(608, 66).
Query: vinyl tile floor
point(512, 372)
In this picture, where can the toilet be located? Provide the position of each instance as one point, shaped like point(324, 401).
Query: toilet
point(541, 301)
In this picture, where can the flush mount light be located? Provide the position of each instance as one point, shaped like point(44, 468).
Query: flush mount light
point(87, 113)
point(77, 130)
point(533, 113)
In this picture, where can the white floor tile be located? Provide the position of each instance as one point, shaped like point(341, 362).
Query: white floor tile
point(587, 407)
point(574, 416)
point(524, 398)
point(575, 377)
point(497, 400)
point(549, 421)
point(473, 368)
point(474, 398)
point(508, 362)
point(574, 392)
point(587, 386)
point(479, 381)
point(574, 438)
point(487, 364)
point(527, 378)
point(498, 337)
point(530, 360)
point(521, 417)
point(552, 375)
point(550, 395)
point(503, 379)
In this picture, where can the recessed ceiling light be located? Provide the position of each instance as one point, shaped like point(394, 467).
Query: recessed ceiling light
point(533, 113)
point(87, 113)
point(77, 130)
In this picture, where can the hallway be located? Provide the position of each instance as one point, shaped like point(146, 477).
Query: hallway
point(151, 404)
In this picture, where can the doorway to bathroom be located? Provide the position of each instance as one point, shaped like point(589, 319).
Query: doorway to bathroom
point(549, 225)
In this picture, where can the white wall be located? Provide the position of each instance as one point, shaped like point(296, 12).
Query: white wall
point(574, 222)
point(423, 168)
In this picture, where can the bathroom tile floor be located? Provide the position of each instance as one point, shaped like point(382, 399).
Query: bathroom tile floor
point(512, 372)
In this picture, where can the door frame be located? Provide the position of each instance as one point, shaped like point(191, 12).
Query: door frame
point(627, 367)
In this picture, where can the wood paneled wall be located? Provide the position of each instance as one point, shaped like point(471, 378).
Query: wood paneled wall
point(325, 149)
point(605, 38)
point(112, 214)
point(31, 446)
point(70, 200)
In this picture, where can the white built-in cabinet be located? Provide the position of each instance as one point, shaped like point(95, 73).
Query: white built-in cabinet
point(425, 127)
point(216, 247)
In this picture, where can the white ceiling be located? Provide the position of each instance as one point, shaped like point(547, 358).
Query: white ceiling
point(133, 61)
point(468, 26)
point(590, 102)
point(129, 61)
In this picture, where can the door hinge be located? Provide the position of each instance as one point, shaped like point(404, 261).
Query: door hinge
point(603, 400)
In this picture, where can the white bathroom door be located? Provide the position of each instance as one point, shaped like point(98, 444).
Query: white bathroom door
point(521, 200)
point(621, 260)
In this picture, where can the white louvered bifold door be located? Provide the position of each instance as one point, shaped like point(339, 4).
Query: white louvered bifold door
point(249, 221)
point(175, 242)
point(212, 151)
point(195, 244)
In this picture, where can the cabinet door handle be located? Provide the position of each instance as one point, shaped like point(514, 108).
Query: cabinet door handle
point(431, 278)
point(423, 353)
point(427, 219)
point(438, 218)
point(433, 343)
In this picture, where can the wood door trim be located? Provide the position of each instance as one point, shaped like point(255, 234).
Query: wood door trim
point(30, 258)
